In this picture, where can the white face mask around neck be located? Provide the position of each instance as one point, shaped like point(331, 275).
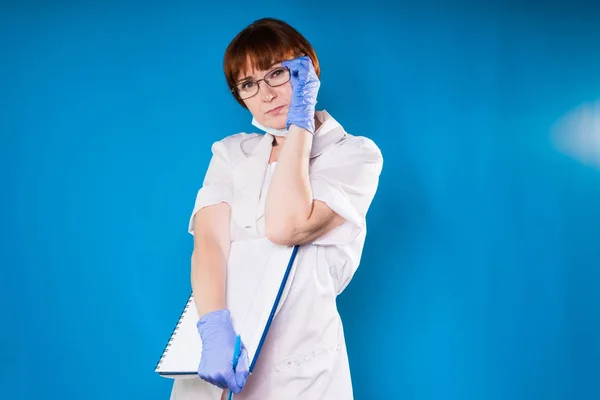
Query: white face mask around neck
point(272, 131)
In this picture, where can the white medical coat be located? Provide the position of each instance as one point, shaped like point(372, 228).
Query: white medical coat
point(304, 355)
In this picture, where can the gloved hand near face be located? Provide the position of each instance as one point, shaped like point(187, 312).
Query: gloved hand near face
point(305, 87)
point(218, 343)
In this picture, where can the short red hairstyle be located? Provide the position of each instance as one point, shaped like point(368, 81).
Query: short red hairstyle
point(261, 44)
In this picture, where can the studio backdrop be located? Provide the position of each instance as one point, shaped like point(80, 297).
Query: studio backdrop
point(479, 278)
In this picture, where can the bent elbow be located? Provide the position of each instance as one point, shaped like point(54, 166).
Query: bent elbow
point(280, 233)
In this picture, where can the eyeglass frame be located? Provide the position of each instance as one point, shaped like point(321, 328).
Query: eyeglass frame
point(234, 90)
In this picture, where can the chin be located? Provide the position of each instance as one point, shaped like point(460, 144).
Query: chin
point(277, 122)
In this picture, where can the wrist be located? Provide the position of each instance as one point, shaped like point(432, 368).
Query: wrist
point(294, 131)
point(211, 304)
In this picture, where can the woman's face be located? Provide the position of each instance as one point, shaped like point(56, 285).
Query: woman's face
point(271, 104)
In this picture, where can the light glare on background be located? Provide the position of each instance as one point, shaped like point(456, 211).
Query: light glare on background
point(577, 134)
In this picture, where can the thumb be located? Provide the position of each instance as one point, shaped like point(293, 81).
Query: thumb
point(242, 369)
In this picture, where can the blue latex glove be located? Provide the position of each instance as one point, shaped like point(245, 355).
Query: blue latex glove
point(305, 86)
point(218, 344)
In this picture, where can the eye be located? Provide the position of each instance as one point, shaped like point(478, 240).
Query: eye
point(246, 85)
point(279, 72)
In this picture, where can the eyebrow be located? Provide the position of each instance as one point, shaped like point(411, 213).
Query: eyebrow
point(245, 79)
point(271, 69)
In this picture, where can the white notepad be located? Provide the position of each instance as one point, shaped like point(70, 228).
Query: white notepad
point(258, 276)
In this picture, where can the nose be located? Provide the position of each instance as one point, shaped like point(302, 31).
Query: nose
point(266, 92)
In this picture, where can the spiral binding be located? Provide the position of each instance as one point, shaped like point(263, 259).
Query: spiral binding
point(166, 349)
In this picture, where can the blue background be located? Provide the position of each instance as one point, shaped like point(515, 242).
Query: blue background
point(480, 274)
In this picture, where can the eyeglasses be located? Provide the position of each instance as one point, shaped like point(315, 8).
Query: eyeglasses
point(250, 88)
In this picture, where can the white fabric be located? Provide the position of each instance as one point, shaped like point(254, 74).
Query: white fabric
point(304, 355)
point(268, 177)
point(272, 131)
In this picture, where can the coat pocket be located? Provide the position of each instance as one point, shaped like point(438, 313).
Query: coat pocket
point(309, 372)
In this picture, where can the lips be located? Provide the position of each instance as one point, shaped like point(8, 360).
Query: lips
point(275, 110)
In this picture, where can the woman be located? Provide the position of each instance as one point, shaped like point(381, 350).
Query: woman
point(317, 196)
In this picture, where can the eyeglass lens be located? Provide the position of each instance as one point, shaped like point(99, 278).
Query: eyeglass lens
point(274, 78)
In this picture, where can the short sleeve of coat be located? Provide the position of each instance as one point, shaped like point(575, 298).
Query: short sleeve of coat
point(217, 186)
point(346, 179)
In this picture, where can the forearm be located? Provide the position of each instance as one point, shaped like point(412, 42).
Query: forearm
point(289, 201)
point(208, 277)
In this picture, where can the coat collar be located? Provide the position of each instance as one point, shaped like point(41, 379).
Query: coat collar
point(329, 133)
